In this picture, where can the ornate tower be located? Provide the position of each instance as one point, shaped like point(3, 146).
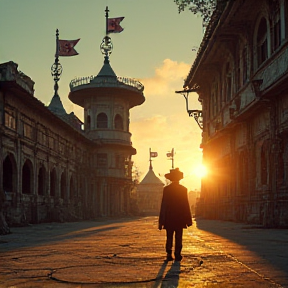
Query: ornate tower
point(106, 100)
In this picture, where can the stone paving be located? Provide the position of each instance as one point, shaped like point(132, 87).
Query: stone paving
point(130, 253)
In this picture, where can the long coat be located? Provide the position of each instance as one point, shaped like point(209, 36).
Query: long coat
point(175, 211)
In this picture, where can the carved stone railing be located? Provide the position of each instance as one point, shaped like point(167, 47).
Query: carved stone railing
point(105, 81)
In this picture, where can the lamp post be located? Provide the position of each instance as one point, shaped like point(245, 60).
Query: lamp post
point(196, 114)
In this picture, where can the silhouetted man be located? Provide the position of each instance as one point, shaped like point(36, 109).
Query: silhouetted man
point(175, 213)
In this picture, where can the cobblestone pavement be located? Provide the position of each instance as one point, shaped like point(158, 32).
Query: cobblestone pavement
point(130, 253)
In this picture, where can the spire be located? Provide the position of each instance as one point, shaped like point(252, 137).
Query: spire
point(56, 106)
point(106, 70)
point(151, 178)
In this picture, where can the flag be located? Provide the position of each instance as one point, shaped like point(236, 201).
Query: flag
point(170, 154)
point(66, 47)
point(113, 25)
point(153, 154)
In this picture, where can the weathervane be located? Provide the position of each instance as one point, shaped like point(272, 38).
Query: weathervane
point(56, 68)
point(170, 155)
point(106, 46)
point(112, 26)
point(152, 154)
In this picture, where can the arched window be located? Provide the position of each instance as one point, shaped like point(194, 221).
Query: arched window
point(9, 173)
point(276, 25)
point(118, 122)
point(102, 120)
point(88, 122)
point(264, 165)
point(228, 82)
point(72, 193)
point(41, 181)
point(214, 100)
point(262, 42)
point(53, 182)
point(63, 186)
point(244, 65)
point(27, 177)
point(243, 172)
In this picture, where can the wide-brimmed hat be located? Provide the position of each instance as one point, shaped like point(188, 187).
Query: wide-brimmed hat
point(174, 175)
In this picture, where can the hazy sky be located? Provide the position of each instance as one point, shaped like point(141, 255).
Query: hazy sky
point(156, 47)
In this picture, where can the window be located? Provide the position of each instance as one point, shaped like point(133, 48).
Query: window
point(62, 146)
point(42, 138)
point(228, 89)
point(51, 142)
point(102, 160)
point(128, 167)
point(10, 119)
point(63, 186)
point(238, 72)
point(53, 182)
point(118, 122)
point(9, 173)
point(243, 172)
point(263, 166)
point(28, 130)
point(73, 191)
point(41, 180)
point(88, 122)
point(262, 43)
point(28, 127)
point(102, 121)
point(277, 35)
point(27, 177)
point(244, 65)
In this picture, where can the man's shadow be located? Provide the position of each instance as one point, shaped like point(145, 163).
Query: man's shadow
point(171, 278)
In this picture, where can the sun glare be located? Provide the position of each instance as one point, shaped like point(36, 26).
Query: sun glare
point(200, 171)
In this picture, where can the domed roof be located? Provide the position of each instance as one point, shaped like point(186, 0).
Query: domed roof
point(106, 70)
point(106, 82)
point(151, 178)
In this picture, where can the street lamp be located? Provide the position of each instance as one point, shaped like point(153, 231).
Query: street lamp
point(196, 114)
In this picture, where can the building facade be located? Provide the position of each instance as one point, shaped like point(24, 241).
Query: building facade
point(54, 168)
point(241, 77)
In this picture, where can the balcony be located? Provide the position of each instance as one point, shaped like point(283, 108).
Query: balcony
point(93, 81)
point(111, 136)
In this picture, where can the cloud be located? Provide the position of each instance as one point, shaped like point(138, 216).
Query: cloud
point(167, 77)
point(162, 123)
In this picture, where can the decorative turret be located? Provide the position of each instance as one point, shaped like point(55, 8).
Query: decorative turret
point(106, 100)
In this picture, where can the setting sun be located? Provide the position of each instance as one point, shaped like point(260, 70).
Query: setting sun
point(200, 171)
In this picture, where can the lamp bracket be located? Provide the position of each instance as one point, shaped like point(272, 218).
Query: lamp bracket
point(196, 114)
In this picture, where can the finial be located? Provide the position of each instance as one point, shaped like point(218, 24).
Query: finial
point(106, 46)
point(107, 11)
point(56, 69)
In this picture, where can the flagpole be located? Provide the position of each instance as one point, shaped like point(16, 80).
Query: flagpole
point(56, 69)
point(172, 158)
point(150, 159)
point(107, 15)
